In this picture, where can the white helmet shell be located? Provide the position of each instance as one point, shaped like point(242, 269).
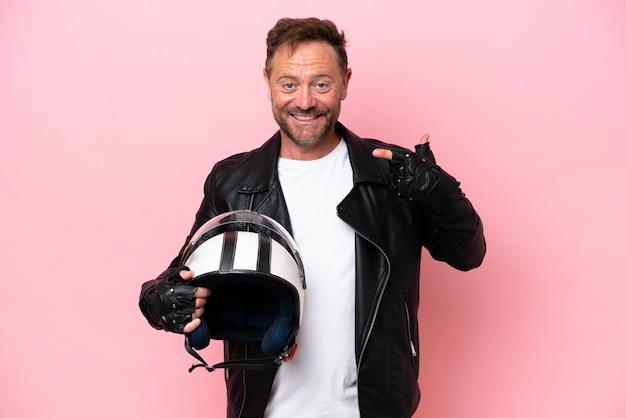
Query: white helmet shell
point(252, 266)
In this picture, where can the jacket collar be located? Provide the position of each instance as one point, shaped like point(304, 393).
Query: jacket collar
point(366, 168)
point(264, 167)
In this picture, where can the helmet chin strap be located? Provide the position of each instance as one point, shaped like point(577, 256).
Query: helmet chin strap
point(247, 364)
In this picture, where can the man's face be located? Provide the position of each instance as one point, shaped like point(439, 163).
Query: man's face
point(306, 87)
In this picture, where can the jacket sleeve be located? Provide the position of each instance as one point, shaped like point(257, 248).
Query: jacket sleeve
point(454, 231)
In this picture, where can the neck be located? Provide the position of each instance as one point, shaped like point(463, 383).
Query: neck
point(293, 151)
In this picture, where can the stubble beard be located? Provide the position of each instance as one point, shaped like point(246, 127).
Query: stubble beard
point(306, 138)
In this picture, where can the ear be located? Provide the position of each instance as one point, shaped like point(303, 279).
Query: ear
point(346, 80)
point(266, 76)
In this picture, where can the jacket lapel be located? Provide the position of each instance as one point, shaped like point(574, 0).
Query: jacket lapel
point(262, 185)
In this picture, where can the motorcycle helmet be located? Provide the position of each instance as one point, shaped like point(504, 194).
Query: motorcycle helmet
point(256, 277)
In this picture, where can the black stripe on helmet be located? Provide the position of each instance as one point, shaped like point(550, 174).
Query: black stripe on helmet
point(228, 250)
point(265, 254)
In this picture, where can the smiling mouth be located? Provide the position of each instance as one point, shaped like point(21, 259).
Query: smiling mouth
point(304, 118)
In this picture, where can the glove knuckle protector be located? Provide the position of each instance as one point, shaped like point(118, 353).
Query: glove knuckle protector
point(169, 301)
point(425, 151)
point(415, 174)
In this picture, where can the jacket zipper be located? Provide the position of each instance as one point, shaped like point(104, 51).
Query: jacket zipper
point(409, 331)
point(371, 326)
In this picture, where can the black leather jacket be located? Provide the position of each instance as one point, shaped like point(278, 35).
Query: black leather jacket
point(390, 232)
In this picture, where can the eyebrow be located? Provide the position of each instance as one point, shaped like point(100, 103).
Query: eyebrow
point(293, 77)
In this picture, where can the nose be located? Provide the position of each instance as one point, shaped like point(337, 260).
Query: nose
point(304, 99)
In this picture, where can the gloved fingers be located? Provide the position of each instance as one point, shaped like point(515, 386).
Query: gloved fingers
point(178, 305)
point(413, 174)
point(423, 149)
point(176, 321)
point(399, 156)
point(417, 173)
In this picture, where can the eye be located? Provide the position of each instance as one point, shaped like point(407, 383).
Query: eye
point(289, 86)
point(321, 86)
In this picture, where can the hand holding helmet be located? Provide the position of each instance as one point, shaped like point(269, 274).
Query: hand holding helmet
point(253, 267)
point(171, 304)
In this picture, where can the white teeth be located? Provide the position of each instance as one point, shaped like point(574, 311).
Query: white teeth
point(305, 117)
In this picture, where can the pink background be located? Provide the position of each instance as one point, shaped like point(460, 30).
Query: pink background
point(112, 113)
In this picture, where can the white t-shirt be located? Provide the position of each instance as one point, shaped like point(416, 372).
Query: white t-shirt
point(321, 379)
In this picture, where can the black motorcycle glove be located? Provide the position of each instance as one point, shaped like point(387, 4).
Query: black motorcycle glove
point(168, 302)
point(414, 174)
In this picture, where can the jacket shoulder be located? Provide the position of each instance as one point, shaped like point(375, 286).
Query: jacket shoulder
point(248, 158)
point(236, 160)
